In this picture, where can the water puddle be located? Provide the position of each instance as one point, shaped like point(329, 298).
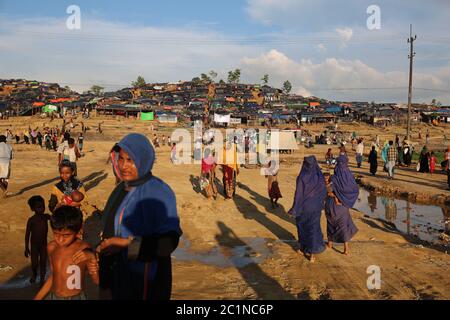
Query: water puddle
point(253, 250)
point(18, 282)
point(427, 222)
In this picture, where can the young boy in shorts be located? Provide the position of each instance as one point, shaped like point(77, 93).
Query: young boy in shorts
point(70, 258)
point(37, 230)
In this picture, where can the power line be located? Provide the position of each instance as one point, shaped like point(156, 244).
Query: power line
point(183, 40)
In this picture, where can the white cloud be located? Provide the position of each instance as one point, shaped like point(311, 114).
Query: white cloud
point(111, 54)
point(114, 54)
point(303, 92)
point(331, 77)
point(322, 48)
point(345, 34)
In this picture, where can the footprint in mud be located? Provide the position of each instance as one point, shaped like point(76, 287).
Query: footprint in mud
point(313, 293)
point(421, 294)
point(381, 295)
point(187, 205)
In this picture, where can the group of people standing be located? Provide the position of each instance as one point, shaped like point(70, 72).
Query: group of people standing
point(130, 257)
point(336, 194)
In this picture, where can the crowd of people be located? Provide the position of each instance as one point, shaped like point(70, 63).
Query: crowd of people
point(396, 154)
point(141, 227)
point(130, 256)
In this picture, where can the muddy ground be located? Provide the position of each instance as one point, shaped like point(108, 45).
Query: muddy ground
point(239, 248)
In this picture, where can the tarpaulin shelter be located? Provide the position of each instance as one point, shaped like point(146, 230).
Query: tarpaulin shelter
point(38, 104)
point(49, 108)
point(282, 140)
point(167, 118)
point(58, 100)
point(147, 116)
point(222, 118)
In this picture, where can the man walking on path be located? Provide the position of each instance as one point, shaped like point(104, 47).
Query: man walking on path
point(6, 154)
point(391, 159)
point(359, 152)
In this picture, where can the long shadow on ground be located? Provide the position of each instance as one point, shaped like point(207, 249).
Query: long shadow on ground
point(264, 286)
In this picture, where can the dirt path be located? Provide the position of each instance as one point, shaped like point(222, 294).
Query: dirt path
point(233, 249)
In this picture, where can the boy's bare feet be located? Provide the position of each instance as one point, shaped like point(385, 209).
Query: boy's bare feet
point(312, 259)
point(330, 244)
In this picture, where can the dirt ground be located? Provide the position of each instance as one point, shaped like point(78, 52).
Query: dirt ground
point(239, 248)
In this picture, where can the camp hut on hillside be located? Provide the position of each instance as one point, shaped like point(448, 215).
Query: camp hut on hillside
point(441, 115)
point(166, 117)
point(121, 110)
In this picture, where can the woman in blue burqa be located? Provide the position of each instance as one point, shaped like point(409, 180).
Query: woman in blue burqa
point(307, 208)
point(141, 227)
point(343, 192)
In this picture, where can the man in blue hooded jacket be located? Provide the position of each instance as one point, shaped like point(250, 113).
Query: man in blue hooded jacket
point(141, 226)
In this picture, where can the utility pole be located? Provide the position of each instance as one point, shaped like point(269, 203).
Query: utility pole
point(411, 40)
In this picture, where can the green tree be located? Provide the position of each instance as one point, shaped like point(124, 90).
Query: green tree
point(221, 81)
point(196, 80)
point(213, 74)
point(204, 77)
point(234, 76)
point(287, 87)
point(67, 88)
point(139, 83)
point(265, 79)
point(97, 90)
point(230, 76)
point(237, 75)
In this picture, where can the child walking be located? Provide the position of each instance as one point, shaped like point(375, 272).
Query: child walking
point(70, 258)
point(37, 230)
point(272, 184)
point(173, 153)
point(432, 162)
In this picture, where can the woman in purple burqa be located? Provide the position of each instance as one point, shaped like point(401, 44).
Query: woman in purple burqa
point(342, 195)
point(307, 208)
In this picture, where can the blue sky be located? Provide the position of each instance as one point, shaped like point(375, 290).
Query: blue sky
point(323, 47)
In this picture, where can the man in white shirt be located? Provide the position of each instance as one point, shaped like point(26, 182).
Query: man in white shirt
point(6, 154)
point(359, 153)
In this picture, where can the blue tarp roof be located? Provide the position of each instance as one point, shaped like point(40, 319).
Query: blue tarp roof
point(333, 109)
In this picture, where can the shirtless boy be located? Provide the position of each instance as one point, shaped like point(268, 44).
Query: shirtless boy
point(70, 258)
point(37, 229)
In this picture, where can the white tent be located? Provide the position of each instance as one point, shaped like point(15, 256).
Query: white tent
point(222, 118)
point(282, 140)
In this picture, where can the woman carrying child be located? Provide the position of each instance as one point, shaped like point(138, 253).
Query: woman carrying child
point(69, 191)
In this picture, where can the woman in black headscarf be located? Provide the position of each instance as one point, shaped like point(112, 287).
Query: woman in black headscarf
point(424, 160)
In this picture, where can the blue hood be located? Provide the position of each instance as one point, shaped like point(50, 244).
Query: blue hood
point(140, 150)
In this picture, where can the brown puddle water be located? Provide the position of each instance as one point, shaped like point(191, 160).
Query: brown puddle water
point(427, 222)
